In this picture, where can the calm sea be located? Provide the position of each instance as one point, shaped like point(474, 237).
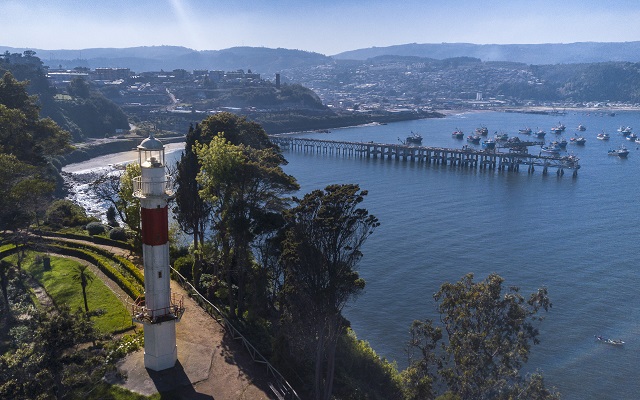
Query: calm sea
point(576, 236)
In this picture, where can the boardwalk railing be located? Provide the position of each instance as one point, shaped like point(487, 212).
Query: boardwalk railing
point(280, 387)
point(508, 156)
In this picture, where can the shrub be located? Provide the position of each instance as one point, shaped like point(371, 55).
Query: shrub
point(95, 228)
point(66, 213)
point(184, 265)
point(118, 234)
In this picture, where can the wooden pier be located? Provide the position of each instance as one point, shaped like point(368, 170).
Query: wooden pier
point(509, 156)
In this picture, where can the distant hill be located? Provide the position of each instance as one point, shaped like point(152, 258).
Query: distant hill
point(155, 58)
point(534, 54)
point(268, 61)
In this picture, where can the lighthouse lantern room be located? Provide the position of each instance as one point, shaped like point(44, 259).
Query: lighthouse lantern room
point(158, 310)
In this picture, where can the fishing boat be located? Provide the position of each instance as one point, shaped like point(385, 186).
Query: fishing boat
point(540, 133)
point(632, 137)
point(562, 143)
point(551, 148)
point(558, 128)
point(603, 136)
point(482, 131)
point(475, 139)
point(414, 138)
point(501, 137)
point(578, 140)
point(615, 342)
point(525, 131)
point(489, 144)
point(581, 128)
point(621, 152)
point(457, 134)
point(625, 130)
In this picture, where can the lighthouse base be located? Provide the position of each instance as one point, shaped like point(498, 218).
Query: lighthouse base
point(160, 350)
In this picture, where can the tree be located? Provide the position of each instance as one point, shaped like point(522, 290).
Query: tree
point(244, 185)
point(485, 338)
point(83, 275)
point(191, 211)
point(326, 230)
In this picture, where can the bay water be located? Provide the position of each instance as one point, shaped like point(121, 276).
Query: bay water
point(576, 236)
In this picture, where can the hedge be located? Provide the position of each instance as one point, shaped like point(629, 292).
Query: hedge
point(107, 269)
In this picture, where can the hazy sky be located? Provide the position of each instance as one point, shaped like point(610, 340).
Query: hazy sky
point(324, 26)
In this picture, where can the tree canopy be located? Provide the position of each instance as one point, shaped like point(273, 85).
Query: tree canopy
point(485, 338)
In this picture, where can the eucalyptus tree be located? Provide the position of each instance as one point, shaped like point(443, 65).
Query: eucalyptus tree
point(244, 185)
point(484, 339)
point(321, 249)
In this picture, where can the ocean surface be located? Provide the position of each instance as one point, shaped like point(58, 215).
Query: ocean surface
point(576, 236)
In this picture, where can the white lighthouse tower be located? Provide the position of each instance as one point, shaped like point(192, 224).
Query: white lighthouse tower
point(158, 310)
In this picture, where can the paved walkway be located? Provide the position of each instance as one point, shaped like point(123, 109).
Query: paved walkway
point(211, 365)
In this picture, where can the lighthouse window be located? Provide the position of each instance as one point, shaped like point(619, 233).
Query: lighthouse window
point(159, 274)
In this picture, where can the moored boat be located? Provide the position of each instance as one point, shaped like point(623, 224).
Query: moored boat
point(621, 152)
point(625, 130)
point(482, 131)
point(582, 128)
point(578, 140)
point(603, 136)
point(632, 137)
point(414, 138)
point(551, 148)
point(475, 139)
point(489, 144)
point(501, 137)
point(457, 134)
point(540, 133)
point(615, 342)
point(525, 131)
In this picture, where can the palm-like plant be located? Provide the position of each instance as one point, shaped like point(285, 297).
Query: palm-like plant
point(85, 277)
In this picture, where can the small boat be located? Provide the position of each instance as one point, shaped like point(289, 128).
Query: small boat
point(551, 148)
point(525, 131)
point(615, 342)
point(603, 136)
point(578, 140)
point(625, 130)
point(489, 144)
point(414, 138)
point(482, 131)
point(501, 137)
point(582, 128)
point(540, 133)
point(632, 137)
point(562, 143)
point(457, 134)
point(621, 152)
point(475, 139)
point(558, 128)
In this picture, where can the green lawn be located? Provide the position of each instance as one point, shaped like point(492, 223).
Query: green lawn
point(63, 289)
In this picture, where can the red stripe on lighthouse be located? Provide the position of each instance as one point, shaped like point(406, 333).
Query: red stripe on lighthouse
point(155, 226)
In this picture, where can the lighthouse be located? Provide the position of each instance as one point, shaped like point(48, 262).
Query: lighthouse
point(157, 310)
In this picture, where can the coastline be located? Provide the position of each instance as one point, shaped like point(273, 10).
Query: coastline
point(113, 160)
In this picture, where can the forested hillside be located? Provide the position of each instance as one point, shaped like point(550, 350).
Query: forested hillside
point(82, 111)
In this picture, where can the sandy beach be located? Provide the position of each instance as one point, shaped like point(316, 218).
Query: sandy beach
point(104, 163)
